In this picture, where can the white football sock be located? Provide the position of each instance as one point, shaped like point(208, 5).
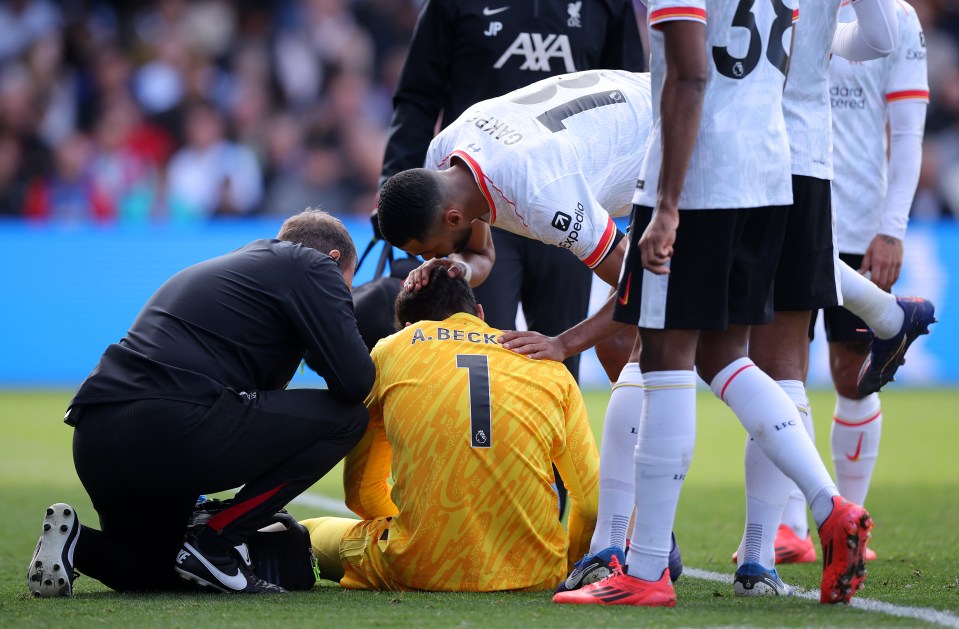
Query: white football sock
point(795, 515)
point(620, 431)
point(667, 436)
point(771, 418)
point(876, 307)
point(856, 429)
point(767, 491)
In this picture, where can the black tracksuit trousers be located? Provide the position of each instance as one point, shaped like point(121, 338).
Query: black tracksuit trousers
point(145, 462)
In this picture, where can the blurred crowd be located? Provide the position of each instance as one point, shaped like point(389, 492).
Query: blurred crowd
point(189, 109)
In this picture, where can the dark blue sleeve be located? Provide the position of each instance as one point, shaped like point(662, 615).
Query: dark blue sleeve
point(422, 90)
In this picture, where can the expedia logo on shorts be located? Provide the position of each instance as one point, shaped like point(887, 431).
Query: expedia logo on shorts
point(579, 215)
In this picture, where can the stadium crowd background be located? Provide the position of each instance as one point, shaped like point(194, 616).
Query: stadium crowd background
point(186, 110)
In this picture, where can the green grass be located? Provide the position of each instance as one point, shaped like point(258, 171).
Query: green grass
point(913, 500)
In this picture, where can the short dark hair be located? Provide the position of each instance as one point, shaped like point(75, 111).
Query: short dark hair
point(319, 230)
point(441, 297)
point(409, 203)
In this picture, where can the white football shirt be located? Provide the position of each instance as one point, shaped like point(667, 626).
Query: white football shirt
point(741, 157)
point(557, 158)
point(859, 92)
point(806, 97)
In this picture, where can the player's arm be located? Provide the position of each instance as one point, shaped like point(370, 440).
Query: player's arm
point(681, 107)
point(421, 90)
point(907, 96)
point(578, 465)
point(872, 35)
point(473, 263)
point(584, 335)
point(599, 245)
point(366, 469)
point(883, 257)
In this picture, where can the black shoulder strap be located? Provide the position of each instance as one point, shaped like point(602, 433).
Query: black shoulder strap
point(386, 254)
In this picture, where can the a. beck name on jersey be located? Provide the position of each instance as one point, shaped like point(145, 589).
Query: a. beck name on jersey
point(445, 334)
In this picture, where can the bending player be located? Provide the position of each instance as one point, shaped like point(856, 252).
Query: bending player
point(551, 162)
point(469, 431)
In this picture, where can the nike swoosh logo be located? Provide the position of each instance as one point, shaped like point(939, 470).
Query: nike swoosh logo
point(488, 11)
point(234, 582)
point(855, 456)
point(625, 297)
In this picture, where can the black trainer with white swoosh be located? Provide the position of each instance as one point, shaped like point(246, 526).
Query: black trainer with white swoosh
point(224, 572)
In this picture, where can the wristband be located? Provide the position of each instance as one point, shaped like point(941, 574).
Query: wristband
point(468, 275)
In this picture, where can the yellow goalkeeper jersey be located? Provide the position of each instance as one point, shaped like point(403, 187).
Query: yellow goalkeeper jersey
point(469, 431)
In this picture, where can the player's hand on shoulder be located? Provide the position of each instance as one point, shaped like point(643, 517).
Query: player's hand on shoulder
point(883, 261)
point(533, 344)
point(420, 276)
point(656, 243)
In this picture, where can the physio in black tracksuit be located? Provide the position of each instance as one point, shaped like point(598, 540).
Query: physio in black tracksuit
point(465, 51)
point(192, 401)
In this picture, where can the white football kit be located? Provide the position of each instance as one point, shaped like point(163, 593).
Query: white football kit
point(806, 96)
point(557, 158)
point(861, 93)
point(741, 157)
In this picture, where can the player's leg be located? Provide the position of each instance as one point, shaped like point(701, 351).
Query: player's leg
point(793, 541)
point(857, 419)
point(614, 352)
point(670, 310)
point(895, 321)
point(805, 281)
point(773, 348)
point(772, 420)
point(326, 535)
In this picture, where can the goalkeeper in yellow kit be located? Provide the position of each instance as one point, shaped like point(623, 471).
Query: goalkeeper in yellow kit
point(468, 431)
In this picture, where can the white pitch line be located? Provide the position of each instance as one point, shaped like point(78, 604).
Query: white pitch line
point(934, 616)
point(318, 501)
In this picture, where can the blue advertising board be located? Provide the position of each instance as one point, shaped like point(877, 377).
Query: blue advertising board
point(70, 290)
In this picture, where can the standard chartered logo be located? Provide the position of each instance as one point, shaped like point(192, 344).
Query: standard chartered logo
point(845, 97)
point(537, 50)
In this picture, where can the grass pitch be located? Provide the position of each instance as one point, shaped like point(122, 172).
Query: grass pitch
point(914, 501)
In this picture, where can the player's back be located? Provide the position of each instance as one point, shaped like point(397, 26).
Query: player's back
point(592, 123)
point(473, 428)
